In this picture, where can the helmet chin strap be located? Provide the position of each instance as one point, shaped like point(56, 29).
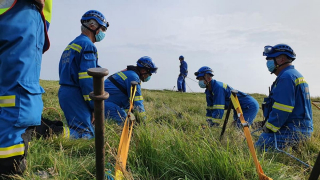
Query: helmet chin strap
point(277, 65)
point(93, 31)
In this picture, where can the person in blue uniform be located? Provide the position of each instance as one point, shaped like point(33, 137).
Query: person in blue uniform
point(75, 84)
point(287, 110)
point(181, 82)
point(118, 86)
point(218, 99)
point(23, 39)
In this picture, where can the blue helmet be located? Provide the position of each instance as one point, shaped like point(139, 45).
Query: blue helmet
point(96, 15)
point(202, 71)
point(146, 62)
point(277, 50)
point(181, 57)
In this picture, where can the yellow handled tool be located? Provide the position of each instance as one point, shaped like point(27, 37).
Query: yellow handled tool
point(247, 133)
point(123, 149)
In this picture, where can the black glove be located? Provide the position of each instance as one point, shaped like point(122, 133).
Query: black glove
point(266, 130)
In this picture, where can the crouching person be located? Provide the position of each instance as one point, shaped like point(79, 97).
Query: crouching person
point(218, 99)
point(118, 86)
point(288, 107)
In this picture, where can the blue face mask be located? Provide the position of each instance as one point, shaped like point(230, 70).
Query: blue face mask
point(147, 79)
point(271, 66)
point(99, 36)
point(202, 84)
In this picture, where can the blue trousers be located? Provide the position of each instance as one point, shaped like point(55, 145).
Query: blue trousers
point(284, 139)
point(114, 112)
point(181, 83)
point(249, 109)
point(77, 112)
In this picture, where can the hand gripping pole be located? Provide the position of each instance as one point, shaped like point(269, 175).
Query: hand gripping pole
point(98, 96)
point(245, 126)
point(123, 149)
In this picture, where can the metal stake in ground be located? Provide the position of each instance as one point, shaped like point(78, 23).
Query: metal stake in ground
point(316, 169)
point(226, 120)
point(98, 96)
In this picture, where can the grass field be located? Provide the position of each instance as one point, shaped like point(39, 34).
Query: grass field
point(169, 144)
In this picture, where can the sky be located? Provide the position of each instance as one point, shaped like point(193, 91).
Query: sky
point(226, 35)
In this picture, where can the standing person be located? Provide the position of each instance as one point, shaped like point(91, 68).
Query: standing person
point(181, 82)
point(118, 86)
point(23, 39)
point(287, 110)
point(75, 84)
point(218, 98)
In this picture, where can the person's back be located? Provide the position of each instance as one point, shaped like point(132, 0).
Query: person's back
point(118, 86)
point(181, 82)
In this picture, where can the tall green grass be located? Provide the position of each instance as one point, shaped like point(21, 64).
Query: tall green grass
point(170, 144)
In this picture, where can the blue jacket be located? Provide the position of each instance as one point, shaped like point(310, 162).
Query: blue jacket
point(219, 99)
point(183, 68)
point(80, 55)
point(290, 103)
point(124, 79)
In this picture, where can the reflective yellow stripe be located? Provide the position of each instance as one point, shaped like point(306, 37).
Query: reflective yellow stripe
point(86, 97)
point(138, 98)
point(11, 151)
point(5, 5)
point(272, 127)
point(75, 47)
point(66, 132)
point(47, 10)
point(124, 77)
point(300, 81)
point(225, 86)
point(84, 75)
point(282, 107)
point(218, 106)
point(8, 101)
point(209, 107)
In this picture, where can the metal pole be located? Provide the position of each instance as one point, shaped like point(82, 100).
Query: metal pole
point(98, 96)
point(315, 170)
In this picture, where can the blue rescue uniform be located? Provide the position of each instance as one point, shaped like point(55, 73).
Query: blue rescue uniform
point(181, 83)
point(288, 110)
point(22, 40)
point(80, 55)
point(118, 101)
point(219, 99)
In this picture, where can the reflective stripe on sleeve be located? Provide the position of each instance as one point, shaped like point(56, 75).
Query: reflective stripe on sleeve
point(138, 98)
point(84, 75)
point(11, 151)
point(123, 76)
point(75, 47)
point(218, 106)
point(209, 107)
point(300, 81)
point(272, 127)
point(225, 86)
point(86, 97)
point(8, 101)
point(282, 107)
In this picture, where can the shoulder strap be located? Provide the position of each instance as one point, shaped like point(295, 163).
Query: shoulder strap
point(122, 89)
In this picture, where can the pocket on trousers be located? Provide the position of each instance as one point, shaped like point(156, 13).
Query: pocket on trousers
point(30, 104)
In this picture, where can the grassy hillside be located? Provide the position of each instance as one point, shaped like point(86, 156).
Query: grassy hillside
point(170, 144)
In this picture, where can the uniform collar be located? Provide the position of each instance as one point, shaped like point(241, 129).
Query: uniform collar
point(285, 69)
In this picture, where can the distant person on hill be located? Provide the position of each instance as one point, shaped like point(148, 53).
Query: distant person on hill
point(23, 40)
point(287, 110)
point(118, 86)
point(75, 84)
point(181, 82)
point(218, 99)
